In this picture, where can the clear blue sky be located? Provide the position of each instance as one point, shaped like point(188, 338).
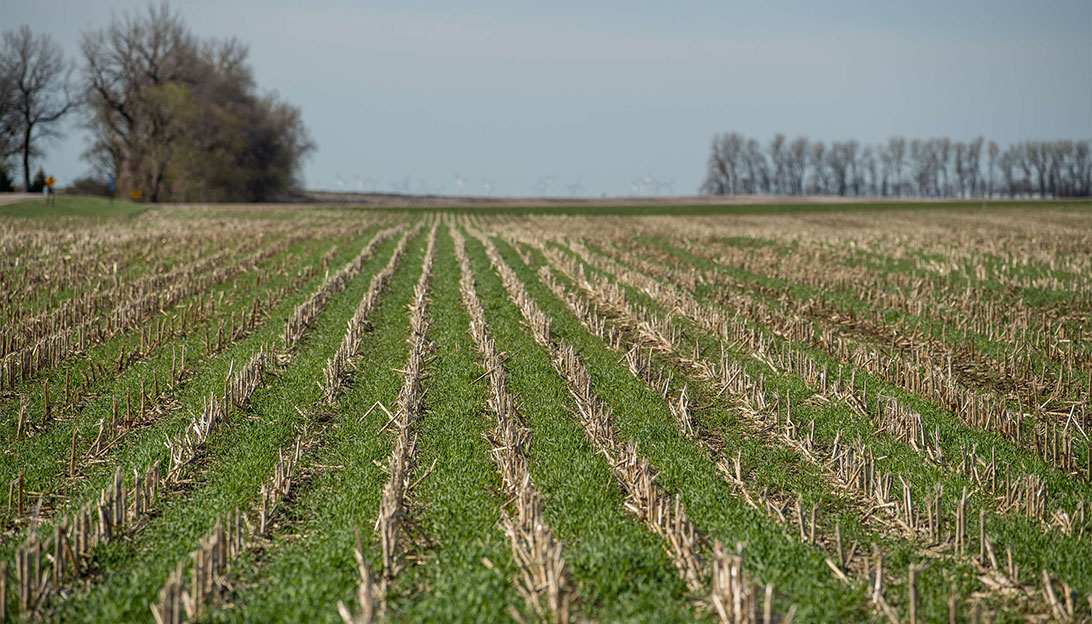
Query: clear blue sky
point(607, 92)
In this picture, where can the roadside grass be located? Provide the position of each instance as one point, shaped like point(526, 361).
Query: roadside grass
point(73, 206)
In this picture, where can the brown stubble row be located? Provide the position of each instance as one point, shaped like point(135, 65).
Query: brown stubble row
point(183, 450)
point(97, 273)
point(167, 326)
point(902, 422)
point(1050, 436)
point(851, 467)
point(100, 262)
point(154, 400)
point(395, 524)
point(735, 596)
point(933, 243)
point(44, 351)
point(1002, 316)
point(237, 531)
point(1020, 372)
point(543, 581)
point(337, 366)
point(120, 505)
point(306, 312)
point(806, 251)
point(229, 537)
point(750, 396)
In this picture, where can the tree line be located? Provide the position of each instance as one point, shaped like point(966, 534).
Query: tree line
point(170, 114)
point(937, 167)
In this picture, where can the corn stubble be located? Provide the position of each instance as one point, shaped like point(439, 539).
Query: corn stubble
point(931, 374)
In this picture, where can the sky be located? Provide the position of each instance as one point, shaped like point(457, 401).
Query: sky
point(618, 97)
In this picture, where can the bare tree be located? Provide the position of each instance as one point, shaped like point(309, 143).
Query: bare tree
point(974, 165)
point(992, 151)
point(123, 64)
point(40, 93)
point(778, 153)
point(798, 164)
point(936, 167)
point(8, 144)
point(725, 161)
point(897, 147)
point(817, 160)
point(868, 172)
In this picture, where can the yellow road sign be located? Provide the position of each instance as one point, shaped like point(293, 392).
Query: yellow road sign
point(136, 194)
point(50, 181)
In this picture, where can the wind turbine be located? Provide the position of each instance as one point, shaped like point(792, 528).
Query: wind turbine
point(401, 186)
point(487, 186)
point(546, 184)
point(340, 181)
point(575, 188)
point(459, 182)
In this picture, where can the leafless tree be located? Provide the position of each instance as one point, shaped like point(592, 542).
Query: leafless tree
point(936, 167)
point(897, 147)
point(124, 64)
point(973, 165)
point(8, 144)
point(798, 164)
point(993, 151)
point(725, 160)
point(779, 160)
point(40, 96)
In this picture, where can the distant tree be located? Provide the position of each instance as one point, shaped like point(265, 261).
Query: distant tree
point(897, 148)
point(798, 164)
point(869, 170)
point(779, 165)
point(179, 117)
point(936, 167)
point(817, 161)
point(723, 168)
point(993, 151)
point(38, 183)
point(39, 83)
point(7, 183)
point(973, 166)
point(9, 144)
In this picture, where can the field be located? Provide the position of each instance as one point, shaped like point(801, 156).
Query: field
point(746, 414)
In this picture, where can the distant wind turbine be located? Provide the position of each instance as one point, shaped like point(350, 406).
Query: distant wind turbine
point(401, 186)
point(545, 184)
point(575, 188)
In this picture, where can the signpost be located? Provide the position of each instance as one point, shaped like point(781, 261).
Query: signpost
point(49, 182)
point(135, 194)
